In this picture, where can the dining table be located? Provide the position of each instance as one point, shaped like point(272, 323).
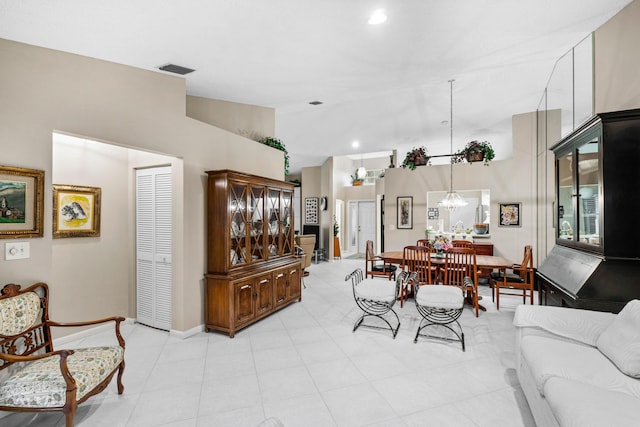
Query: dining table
point(482, 261)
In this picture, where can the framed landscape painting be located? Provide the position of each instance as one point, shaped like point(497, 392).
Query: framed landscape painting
point(21, 202)
point(76, 211)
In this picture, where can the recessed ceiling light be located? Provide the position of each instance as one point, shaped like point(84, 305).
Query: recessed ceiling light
point(377, 17)
point(315, 102)
point(355, 144)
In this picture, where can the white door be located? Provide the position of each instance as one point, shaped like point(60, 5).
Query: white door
point(362, 224)
point(153, 246)
point(366, 224)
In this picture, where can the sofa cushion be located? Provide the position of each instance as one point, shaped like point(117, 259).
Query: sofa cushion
point(548, 358)
point(575, 404)
point(584, 326)
point(40, 383)
point(620, 342)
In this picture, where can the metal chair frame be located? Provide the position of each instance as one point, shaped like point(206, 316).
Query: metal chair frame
point(375, 308)
point(432, 316)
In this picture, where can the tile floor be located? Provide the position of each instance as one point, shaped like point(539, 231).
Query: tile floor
point(305, 366)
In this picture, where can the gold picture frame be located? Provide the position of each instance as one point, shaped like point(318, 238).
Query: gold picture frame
point(76, 211)
point(21, 202)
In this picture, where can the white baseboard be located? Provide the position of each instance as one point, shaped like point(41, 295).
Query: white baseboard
point(188, 333)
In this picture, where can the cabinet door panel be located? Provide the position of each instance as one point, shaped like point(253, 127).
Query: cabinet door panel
point(244, 302)
point(293, 283)
point(264, 299)
point(280, 286)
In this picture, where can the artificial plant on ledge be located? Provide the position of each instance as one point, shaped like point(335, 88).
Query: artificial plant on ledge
point(475, 151)
point(277, 144)
point(416, 157)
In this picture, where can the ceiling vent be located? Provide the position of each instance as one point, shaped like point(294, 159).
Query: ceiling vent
point(176, 69)
point(315, 102)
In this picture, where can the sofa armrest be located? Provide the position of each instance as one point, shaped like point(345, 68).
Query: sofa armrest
point(584, 326)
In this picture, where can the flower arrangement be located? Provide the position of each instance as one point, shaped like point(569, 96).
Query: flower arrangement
point(416, 157)
point(475, 151)
point(336, 227)
point(441, 243)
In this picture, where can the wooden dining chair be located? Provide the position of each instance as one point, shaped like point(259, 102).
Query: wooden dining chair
point(520, 279)
point(375, 266)
point(416, 259)
point(423, 242)
point(461, 269)
point(462, 243)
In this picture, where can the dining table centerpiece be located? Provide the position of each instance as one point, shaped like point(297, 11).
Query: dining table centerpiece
point(440, 244)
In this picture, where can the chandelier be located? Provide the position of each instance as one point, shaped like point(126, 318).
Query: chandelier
point(452, 200)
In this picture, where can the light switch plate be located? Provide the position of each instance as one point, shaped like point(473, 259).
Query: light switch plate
point(16, 250)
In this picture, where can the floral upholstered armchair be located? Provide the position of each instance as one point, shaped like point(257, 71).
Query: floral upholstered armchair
point(34, 377)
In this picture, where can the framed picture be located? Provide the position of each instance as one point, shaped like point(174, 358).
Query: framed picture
point(311, 210)
point(21, 202)
point(76, 211)
point(405, 212)
point(433, 213)
point(510, 214)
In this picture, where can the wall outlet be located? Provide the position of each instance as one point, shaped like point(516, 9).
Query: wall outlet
point(16, 250)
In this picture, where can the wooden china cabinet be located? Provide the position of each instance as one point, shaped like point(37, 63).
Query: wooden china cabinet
point(251, 268)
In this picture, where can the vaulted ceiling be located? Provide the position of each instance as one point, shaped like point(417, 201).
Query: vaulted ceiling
point(385, 86)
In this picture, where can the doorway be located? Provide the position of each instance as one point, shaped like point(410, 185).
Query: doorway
point(362, 224)
point(154, 268)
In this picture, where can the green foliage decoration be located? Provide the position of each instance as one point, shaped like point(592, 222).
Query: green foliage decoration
point(277, 144)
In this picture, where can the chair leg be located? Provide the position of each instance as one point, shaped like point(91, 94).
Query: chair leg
point(360, 321)
point(497, 296)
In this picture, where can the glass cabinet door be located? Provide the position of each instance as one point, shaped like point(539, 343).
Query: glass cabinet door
point(286, 202)
point(238, 215)
point(588, 196)
point(565, 197)
point(273, 225)
point(256, 224)
point(579, 192)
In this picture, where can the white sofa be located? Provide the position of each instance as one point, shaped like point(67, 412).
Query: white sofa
point(580, 367)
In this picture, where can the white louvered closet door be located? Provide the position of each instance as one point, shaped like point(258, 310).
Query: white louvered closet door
point(153, 247)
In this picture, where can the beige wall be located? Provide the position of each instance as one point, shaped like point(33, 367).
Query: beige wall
point(511, 180)
point(617, 60)
point(45, 91)
point(250, 121)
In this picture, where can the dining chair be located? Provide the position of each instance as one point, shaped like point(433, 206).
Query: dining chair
point(461, 243)
point(423, 242)
point(520, 278)
point(373, 268)
point(461, 269)
point(416, 259)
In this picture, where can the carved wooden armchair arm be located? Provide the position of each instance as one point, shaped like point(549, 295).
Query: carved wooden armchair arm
point(116, 319)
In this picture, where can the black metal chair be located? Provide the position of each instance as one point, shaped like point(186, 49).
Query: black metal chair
point(376, 298)
point(440, 306)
